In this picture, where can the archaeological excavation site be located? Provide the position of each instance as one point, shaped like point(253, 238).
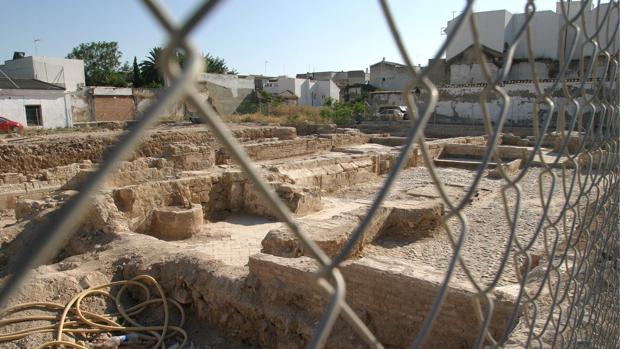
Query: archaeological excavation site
point(159, 198)
point(180, 211)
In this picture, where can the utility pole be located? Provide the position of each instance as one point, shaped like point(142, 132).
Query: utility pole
point(266, 62)
point(34, 42)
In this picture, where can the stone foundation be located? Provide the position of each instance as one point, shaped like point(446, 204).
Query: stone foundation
point(176, 223)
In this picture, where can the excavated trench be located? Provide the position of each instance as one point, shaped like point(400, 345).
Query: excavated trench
point(181, 212)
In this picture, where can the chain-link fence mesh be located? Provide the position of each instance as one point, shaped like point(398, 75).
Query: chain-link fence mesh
point(573, 300)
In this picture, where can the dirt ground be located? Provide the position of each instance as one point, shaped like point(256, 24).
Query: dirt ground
point(327, 180)
point(487, 233)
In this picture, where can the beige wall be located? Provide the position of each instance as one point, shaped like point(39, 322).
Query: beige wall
point(114, 108)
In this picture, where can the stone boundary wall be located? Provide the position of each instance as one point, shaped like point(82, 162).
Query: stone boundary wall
point(436, 147)
point(41, 153)
point(506, 152)
point(302, 146)
point(84, 104)
point(399, 128)
point(393, 297)
point(461, 104)
point(226, 93)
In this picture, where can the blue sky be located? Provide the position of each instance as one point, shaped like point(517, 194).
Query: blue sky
point(294, 36)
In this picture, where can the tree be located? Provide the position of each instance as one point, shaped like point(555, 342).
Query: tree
point(102, 62)
point(151, 76)
point(215, 64)
point(136, 75)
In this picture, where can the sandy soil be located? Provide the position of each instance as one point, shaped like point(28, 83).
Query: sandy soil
point(488, 232)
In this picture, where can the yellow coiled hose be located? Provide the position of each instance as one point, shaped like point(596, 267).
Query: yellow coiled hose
point(88, 322)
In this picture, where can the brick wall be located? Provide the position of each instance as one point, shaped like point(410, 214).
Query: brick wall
point(114, 108)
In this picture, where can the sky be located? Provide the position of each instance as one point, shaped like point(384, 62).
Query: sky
point(272, 37)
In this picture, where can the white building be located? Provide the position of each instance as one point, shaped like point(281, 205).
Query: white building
point(498, 30)
point(66, 73)
point(35, 103)
point(340, 78)
point(309, 92)
point(389, 76)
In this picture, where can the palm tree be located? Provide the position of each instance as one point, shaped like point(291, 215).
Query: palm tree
point(151, 76)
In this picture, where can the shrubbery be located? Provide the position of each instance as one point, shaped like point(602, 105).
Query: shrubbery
point(342, 113)
point(273, 109)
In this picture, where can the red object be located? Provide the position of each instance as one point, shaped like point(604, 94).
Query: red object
point(7, 125)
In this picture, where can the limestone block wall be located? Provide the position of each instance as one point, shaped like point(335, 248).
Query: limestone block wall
point(391, 296)
point(300, 200)
point(302, 145)
point(139, 171)
point(436, 129)
point(34, 155)
point(294, 147)
point(401, 219)
point(138, 201)
point(436, 147)
point(217, 192)
point(506, 152)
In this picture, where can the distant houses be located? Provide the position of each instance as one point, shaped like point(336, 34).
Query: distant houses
point(309, 92)
point(35, 91)
point(498, 30)
point(34, 103)
point(50, 92)
point(66, 73)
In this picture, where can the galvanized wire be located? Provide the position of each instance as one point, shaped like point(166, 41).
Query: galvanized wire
point(575, 302)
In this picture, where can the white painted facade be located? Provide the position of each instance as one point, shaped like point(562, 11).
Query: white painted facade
point(523, 71)
point(470, 73)
point(309, 92)
point(55, 106)
point(499, 29)
point(341, 78)
point(462, 104)
point(491, 27)
point(67, 73)
point(389, 76)
point(545, 28)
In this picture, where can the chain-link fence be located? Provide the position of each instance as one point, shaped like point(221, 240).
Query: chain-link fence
point(575, 301)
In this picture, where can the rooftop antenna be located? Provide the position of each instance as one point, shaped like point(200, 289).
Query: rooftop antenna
point(453, 14)
point(34, 42)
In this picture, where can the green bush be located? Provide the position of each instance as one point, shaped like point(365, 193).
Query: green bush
point(342, 113)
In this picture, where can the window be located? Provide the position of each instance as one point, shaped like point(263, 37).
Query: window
point(33, 115)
